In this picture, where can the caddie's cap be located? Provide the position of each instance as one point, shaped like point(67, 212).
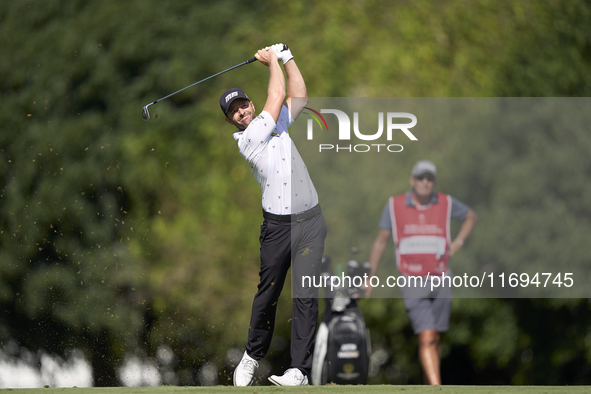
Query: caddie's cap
point(424, 167)
point(229, 96)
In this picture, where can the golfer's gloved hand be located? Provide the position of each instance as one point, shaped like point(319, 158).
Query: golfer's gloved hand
point(283, 55)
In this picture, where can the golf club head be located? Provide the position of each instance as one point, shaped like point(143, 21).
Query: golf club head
point(145, 112)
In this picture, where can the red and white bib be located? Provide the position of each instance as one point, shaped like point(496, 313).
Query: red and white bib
point(421, 235)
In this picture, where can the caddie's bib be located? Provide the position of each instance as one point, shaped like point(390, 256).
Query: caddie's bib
point(421, 235)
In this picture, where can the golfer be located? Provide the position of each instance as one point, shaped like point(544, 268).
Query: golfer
point(419, 222)
point(293, 226)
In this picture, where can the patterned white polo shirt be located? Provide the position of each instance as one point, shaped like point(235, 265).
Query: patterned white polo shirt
point(277, 165)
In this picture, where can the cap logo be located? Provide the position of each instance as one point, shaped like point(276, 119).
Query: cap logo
point(228, 97)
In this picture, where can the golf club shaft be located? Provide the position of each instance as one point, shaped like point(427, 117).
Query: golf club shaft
point(146, 113)
point(205, 79)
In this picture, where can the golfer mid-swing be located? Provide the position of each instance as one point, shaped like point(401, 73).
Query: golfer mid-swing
point(293, 225)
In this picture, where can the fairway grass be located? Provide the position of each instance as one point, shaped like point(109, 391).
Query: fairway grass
point(373, 389)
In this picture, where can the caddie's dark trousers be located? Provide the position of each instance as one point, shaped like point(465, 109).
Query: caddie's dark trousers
point(283, 238)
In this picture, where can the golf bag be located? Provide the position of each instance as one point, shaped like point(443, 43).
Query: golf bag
point(343, 346)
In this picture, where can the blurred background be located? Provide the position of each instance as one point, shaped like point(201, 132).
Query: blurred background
point(129, 249)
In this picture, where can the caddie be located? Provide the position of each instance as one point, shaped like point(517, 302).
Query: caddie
point(419, 224)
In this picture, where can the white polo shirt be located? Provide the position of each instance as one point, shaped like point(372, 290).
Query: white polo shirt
point(277, 165)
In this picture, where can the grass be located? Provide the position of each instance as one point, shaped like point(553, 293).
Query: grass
point(373, 389)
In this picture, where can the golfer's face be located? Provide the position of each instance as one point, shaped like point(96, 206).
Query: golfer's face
point(241, 113)
point(423, 184)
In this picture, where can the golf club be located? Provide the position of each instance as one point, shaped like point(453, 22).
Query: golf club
point(145, 112)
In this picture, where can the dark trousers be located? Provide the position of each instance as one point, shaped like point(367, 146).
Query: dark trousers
point(281, 242)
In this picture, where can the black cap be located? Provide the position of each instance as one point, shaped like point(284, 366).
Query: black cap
point(229, 96)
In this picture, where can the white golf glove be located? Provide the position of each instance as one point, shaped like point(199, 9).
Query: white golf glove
point(282, 54)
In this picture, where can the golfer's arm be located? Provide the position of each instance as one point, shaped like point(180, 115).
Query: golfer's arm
point(276, 91)
point(296, 87)
point(377, 249)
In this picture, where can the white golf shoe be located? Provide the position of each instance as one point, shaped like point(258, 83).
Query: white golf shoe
point(244, 372)
point(291, 377)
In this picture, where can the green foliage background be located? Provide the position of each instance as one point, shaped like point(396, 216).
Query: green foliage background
point(118, 235)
